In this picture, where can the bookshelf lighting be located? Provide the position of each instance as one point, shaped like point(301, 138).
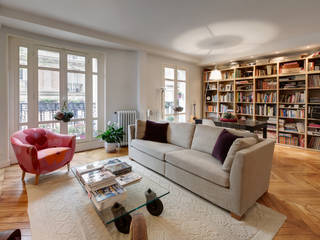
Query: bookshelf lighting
point(215, 75)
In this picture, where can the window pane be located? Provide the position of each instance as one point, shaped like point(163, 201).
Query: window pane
point(95, 96)
point(181, 95)
point(169, 73)
point(95, 128)
point(48, 85)
point(23, 56)
point(181, 75)
point(48, 59)
point(23, 127)
point(77, 63)
point(76, 94)
point(78, 129)
point(54, 127)
point(94, 65)
point(23, 95)
point(182, 118)
point(169, 97)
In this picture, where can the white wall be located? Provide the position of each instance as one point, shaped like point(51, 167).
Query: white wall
point(152, 81)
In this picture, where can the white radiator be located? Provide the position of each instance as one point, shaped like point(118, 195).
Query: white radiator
point(125, 118)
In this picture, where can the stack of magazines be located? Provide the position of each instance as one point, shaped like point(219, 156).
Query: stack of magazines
point(105, 180)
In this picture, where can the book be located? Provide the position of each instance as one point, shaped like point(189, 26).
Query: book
point(89, 167)
point(119, 168)
point(99, 177)
point(128, 178)
point(107, 196)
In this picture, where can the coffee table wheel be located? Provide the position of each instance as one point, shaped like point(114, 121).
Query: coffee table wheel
point(123, 223)
point(155, 208)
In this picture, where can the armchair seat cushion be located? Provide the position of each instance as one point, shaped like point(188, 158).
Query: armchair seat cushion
point(53, 155)
point(200, 164)
point(155, 149)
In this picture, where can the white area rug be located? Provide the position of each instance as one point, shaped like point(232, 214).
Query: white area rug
point(59, 209)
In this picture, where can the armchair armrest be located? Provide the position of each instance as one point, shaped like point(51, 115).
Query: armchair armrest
point(131, 133)
point(61, 140)
point(26, 155)
point(250, 174)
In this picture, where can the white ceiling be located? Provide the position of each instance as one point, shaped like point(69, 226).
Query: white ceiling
point(206, 31)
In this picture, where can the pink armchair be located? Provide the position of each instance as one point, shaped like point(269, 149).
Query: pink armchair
point(40, 151)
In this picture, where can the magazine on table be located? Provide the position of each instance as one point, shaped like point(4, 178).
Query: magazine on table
point(128, 178)
point(119, 168)
point(89, 167)
point(98, 177)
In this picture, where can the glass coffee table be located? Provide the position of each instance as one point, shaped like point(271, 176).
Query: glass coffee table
point(136, 199)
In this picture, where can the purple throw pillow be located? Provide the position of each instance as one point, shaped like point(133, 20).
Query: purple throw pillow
point(156, 132)
point(223, 144)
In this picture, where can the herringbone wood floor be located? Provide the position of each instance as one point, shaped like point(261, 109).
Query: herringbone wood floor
point(294, 191)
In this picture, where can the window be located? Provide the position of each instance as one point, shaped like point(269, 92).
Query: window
point(175, 94)
point(49, 78)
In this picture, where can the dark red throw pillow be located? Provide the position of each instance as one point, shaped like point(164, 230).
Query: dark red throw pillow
point(36, 137)
point(223, 144)
point(156, 132)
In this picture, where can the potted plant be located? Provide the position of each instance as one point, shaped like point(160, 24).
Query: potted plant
point(228, 117)
point(111, 137)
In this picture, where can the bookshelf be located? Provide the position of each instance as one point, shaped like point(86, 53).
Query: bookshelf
point(286, 94)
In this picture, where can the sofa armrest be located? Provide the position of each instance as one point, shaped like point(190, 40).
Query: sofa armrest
point(250, 174)
point(131, 133)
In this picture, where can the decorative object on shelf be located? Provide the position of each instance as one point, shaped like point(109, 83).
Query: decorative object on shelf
point(228, 117)
point(112, 136)
point(122, 223)
point(215, 75)
point(154, 206)
point(178, 109)
point(64, 114)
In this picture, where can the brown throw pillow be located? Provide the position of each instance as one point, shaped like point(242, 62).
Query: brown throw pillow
point(156, 132)
point(223, 144)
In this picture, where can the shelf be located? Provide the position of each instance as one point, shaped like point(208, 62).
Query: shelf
point(227, 80)
point(313, 135)
point(244, 114)
point(243, 78)
point(291, 108)
point(298, 80)
point(313, 88)
point(271, 130)
point(244, 90)
point(210, 112)
point(292, 118)
point(313, 72)
point(291, 74)
point(266, 76)
point(239, 84)
point(291, 89)
point(265, 90)
point(291, 103)
point(286, 131)
point(212, 89)
point(244, 102)
point(226, 91)
point(266, 103)
point(314, 119)
point(313, 103)
point(211, 102)
point(211, 81)
point(225, 102)
point(263, 116)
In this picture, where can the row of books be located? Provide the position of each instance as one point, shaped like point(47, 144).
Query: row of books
point(314, 129)
point(211, 98)
point(314, 65)
point(267, 70)
point(266, 84)
point(226, 75)
point(244, 72)
point(211, 86)
point(292, 67)
point(244, 97)
point(226, 87)
point(314, 143)
point(289, 125)
point(297, 97)
point(288, 85)
point(314, 80)
point(314, 99)
point(212, 108)
point(228, 97)
point(292, 78)
point(291, 139)
point(244, 87)
point(224, 108)
point(269, 97)
point(245, 109)
point(299, 113)
point(266, 110)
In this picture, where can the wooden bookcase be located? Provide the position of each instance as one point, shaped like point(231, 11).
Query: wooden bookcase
point(284, 93)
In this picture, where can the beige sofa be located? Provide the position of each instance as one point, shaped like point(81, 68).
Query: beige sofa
point(186, 159)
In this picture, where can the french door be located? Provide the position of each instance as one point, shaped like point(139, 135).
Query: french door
point(46, 79)
point(175, 94)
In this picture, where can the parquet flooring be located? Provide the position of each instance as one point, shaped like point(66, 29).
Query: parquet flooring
point(294, 191)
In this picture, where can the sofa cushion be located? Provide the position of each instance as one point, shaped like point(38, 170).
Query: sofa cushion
point(140, 129)
point(200, 164)
point(181, 134)
point(155, 149)
point(223, 144)
point(156, 132)
point(237, 145)
point(205, 138)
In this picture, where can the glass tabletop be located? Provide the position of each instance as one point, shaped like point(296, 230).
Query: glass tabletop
point(135, 192)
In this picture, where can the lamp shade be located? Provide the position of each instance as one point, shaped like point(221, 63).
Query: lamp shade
point(215, 75)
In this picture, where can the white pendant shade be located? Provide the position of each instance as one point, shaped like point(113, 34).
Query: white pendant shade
point(215, 75)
